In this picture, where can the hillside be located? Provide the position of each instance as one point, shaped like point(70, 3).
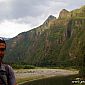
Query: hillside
point(57, 42)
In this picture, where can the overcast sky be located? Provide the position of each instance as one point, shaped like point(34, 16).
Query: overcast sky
point(17, 16)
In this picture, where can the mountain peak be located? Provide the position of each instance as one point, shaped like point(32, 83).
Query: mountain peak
point(50, 18)
point(63, 13)
point(64, 10)
point(82, 9)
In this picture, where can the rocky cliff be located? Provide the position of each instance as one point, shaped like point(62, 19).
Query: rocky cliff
point(57, 42)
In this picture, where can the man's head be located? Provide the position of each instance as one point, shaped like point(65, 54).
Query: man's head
point(2, 48)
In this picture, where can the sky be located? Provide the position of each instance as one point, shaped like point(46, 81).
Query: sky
point(18, 16)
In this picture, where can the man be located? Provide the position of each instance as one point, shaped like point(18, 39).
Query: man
point(7, 76)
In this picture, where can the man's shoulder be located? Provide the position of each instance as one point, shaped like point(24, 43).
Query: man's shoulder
point(5, 67)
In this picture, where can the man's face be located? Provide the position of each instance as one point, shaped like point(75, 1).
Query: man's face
point(2, 50)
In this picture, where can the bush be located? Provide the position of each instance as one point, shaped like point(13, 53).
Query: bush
point(15, 66)
point(82, 72)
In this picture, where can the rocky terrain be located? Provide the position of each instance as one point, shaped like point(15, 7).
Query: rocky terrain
point(25, 75)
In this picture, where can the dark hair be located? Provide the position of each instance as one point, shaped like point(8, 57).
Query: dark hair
point(2, 41)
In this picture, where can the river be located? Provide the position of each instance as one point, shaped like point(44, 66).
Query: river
point(63, 80)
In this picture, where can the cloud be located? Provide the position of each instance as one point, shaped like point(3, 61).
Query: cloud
point(30, 13)
point(12, 9)
point(22, 8)
point(10, 28)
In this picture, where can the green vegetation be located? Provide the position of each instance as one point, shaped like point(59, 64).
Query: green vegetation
point(56, 43)
point(17, 66)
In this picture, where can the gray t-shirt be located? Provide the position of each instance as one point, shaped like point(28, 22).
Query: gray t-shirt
point(9, 77)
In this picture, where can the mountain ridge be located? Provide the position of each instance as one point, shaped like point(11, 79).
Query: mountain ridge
point(54, 43)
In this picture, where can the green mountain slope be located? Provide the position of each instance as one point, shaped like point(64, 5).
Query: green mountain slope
point(57, 42)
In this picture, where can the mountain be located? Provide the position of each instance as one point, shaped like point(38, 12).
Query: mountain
point(49, 19)
point(57, 42)
point(64, 14)
point(7, 38)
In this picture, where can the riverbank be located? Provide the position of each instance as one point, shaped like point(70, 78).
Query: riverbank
point(25, 75)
